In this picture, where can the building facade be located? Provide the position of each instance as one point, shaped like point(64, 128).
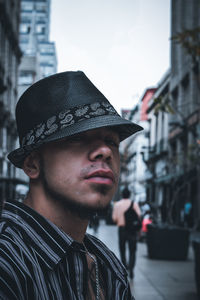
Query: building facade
point(172, 153)
point(184, 130)
point(10, 55)
point(156, 154)
point(174, 114)
point(39, 54)
point(133, 166)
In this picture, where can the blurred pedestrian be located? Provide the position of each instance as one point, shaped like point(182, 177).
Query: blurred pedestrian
point(125, 236)
point(94, 223)
point(146, 220)
point(69, 148)
point(188, 219)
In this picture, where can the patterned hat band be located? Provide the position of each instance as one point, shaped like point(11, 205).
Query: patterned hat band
point(66, 118)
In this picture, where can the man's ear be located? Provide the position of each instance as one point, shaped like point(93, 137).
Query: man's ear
point(31, 165)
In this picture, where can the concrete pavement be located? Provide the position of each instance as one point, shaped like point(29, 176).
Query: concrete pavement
point(155, 279)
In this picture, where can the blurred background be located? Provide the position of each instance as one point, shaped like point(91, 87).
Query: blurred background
point(144, 55)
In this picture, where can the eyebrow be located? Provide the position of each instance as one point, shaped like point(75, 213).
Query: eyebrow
point(115, 132)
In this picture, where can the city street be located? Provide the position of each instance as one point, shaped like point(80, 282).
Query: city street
point(155, 279)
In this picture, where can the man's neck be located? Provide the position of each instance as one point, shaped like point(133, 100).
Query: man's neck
point(67, 221)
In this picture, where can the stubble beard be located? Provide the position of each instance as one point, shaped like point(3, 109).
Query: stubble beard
point(82, 210)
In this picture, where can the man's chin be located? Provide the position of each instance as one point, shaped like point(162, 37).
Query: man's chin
point(85, 211)
point(80, 209)
point(102, 189)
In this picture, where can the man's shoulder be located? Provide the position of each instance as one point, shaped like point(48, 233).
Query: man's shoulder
point(11, 225)
point(11, 249)
point(16, 241)
point(118, 203)
point(122, 202)
point(10, 237)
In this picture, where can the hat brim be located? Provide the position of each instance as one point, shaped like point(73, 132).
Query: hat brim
point(124, 127)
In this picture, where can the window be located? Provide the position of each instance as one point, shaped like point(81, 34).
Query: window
point(25, 78)
point(173, 155)
point(27, 6)
point(185, 95)
point(41, 7)
point(24, 39)
point(175, 97)
point(24, 28)
point(40, 29)
point(1, 166)
point(26, 19)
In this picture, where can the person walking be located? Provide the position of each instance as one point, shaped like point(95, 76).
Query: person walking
point(188, 218)
point(69, 137)
point(124, 235)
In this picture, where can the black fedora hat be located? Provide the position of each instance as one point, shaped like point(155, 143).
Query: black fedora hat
point(59, 106)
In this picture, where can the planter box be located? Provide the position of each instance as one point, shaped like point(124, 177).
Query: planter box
point(196, 247)
point(167, 242)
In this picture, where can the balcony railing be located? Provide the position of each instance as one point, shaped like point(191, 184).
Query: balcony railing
point(155, 151)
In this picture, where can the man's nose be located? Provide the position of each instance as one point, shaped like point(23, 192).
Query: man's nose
point(100, 151)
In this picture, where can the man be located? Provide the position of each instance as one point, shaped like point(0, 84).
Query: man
point(125, 236)
point(69, 137)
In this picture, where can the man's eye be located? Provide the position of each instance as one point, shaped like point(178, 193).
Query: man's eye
point(112, 143)
point(75, 139)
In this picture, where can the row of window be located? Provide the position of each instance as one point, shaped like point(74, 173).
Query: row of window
point(38, 19)
point(34, 6)
point(26, 29)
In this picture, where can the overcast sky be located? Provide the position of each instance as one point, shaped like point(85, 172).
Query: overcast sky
point(123, 46)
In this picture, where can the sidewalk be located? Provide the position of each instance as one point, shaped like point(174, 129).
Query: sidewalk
point(155, 279)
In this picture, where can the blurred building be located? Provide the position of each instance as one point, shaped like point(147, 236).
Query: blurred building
point(155, 155)
point(184, 130)
point(170, 147)
point(133, 166)
point(10, 55)
point(174, 115)
point(39, 54)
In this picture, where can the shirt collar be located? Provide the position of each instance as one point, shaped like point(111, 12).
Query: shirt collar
point(50, 242)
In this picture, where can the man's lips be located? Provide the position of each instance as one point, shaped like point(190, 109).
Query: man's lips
point(101, 176)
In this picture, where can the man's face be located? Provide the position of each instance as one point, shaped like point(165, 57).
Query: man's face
point(81, 172)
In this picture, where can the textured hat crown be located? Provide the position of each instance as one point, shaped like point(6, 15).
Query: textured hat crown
point(62, 105)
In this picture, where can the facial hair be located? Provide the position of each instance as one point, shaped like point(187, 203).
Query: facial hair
point(82, 210)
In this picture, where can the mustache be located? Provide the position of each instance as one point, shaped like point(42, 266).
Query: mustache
point(97, 166)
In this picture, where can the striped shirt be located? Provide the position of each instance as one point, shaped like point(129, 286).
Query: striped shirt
point(40, 261)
